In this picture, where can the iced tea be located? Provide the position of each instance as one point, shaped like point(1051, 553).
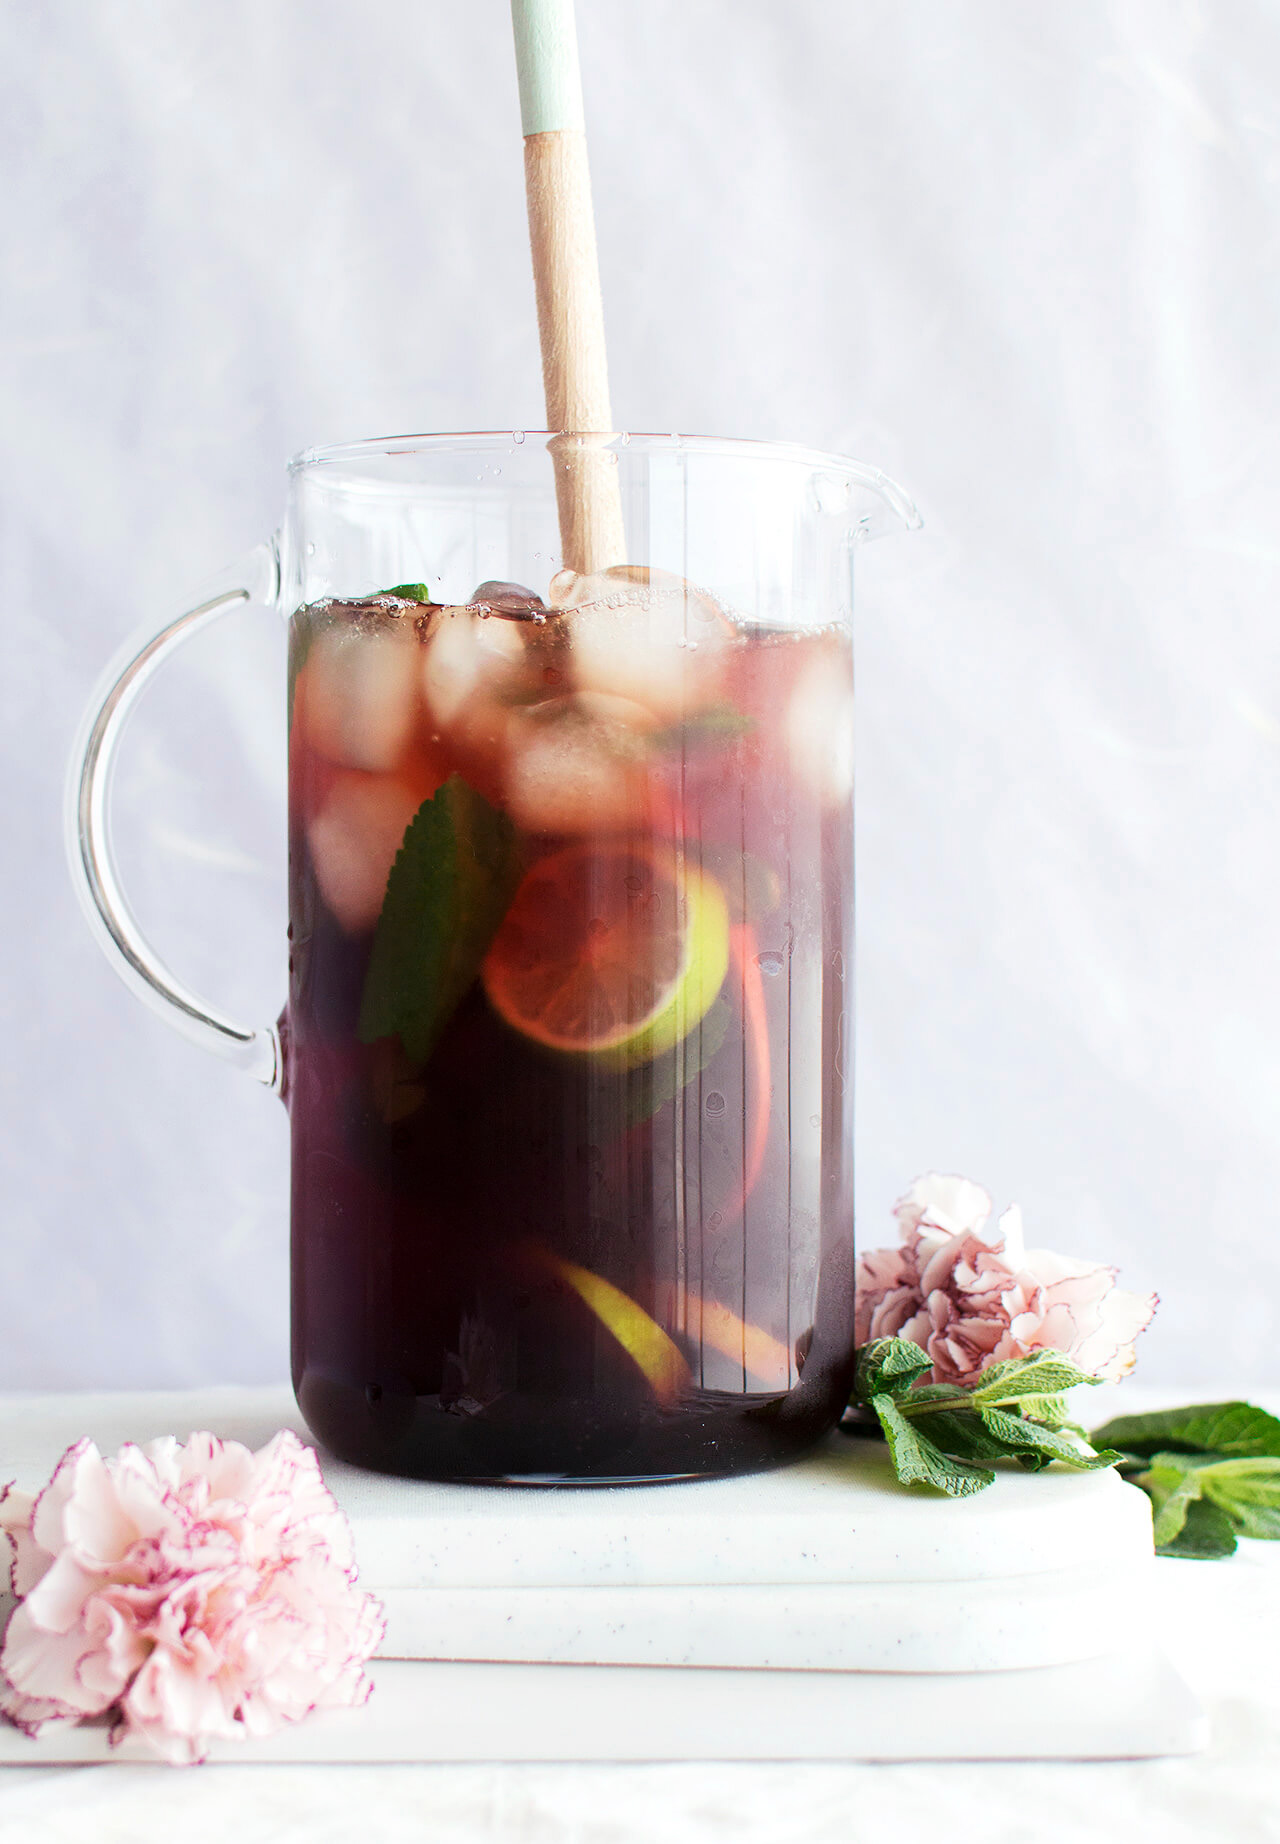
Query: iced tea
point(569, 1030)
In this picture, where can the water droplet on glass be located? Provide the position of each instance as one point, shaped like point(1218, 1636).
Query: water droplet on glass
point(311, 550)
point(815, 1120)
point(714, 1220)
point(771, 962)
point(517, 436)
point(714, 1104)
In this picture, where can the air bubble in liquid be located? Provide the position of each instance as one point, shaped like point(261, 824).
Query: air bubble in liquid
point(771, 962)
point(714, 1104)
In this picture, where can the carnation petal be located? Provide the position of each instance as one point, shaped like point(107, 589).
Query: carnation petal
point(46, 1665)
point(28, 1561)
point(944, 1202)
point(198, 1591)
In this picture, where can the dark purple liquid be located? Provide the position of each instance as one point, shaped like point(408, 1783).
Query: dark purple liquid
point(442, 1207)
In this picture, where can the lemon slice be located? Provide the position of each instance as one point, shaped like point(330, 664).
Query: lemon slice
point(611, 950)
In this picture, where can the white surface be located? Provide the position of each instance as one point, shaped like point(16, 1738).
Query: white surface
point(824, 1564)
point(1025, 1622)
point(835, 1516)
point(1021, 256)
point(1221, 1622)
point(1120, 1707)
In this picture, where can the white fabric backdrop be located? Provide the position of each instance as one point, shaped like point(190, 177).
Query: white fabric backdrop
point(1023, 257)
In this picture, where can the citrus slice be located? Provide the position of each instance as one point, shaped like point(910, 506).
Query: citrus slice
point(641, 1337)
point(610, 950)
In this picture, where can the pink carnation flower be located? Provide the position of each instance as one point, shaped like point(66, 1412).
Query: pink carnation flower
point(191, 1593)
point(971, 1295)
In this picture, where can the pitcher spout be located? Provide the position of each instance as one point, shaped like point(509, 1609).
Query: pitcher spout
point(879, 505)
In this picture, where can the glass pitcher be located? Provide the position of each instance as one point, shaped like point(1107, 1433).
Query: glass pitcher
point(568, 1043)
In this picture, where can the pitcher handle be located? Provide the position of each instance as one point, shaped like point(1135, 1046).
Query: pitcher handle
point(255, 578)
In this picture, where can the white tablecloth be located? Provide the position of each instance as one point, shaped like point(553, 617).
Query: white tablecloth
point(1221, 1627)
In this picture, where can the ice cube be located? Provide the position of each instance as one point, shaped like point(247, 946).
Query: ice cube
point(469, 661)
point(478, 673)
point(360, 691)
point(353, 841)
point(578, 764)
point(818, 728)
point(645, 635)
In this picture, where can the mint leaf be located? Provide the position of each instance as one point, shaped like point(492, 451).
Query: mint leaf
point(448, 890)
point(887, 1367)
point(933, 1396)
point(1249, 1520)
point(1171, 1488)
point(722, 723)
point(1047, 1373)
point(1225, 1428)
point(1051, 1412)
point(1031, 1437)
point(1206, 1535)
point(661, 1080)
point(916, 1460)
point(960, 1434)
point(408, 592)
point(1248, 1491)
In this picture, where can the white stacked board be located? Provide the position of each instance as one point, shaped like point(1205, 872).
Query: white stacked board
point(816, 1612)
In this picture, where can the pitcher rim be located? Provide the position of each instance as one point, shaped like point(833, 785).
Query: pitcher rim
point(862, 473)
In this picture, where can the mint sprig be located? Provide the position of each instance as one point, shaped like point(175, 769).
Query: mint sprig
point(449, 888)
point(1211, 1471)
point(947, 1435)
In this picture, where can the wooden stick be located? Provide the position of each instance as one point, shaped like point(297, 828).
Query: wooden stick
point(566, 278)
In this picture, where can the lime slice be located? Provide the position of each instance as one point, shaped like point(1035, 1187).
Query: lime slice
point(613, 951)
point(641, 1337)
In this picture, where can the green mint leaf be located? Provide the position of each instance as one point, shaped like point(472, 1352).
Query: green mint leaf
point(916, 1460)
point(1031, 1437)
point(931, 1396)
point(448, 891)
point(408, 592)
point(1206, 1535)
point(1226, 1428)
point(661, 1080)
point(960, 1433)
point(1248, 1491)
point(1051, 1412)
point(721, 724)
point(1171, 1488)
point(887, 1367)
point(1046, 1373)
point(1250, 1520)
